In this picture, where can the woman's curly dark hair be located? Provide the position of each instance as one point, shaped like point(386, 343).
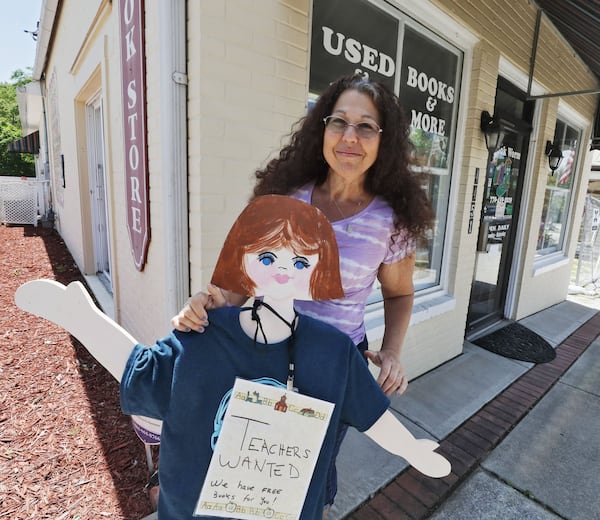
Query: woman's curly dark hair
point(301, 161)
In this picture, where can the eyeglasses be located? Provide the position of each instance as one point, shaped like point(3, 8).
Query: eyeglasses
point(363, 129)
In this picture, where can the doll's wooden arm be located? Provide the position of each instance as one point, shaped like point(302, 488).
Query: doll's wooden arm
point(73, 309)
point(393, 436)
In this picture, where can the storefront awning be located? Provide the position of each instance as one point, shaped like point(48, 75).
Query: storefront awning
point(28, 144)
point(579, 22)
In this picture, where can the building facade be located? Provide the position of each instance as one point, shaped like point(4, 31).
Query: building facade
point(156, 114)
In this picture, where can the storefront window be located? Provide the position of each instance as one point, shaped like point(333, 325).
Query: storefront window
point(429, 89)
point(422, 68)
point(559, 189)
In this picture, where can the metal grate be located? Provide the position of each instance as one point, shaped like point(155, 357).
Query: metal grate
point(18, 202)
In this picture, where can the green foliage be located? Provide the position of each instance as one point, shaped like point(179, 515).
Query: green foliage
point(20, 77)
point(14, 164)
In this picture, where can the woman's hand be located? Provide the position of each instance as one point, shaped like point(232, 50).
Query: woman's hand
point(392, 378)
point(193, 316)
point(398, 295)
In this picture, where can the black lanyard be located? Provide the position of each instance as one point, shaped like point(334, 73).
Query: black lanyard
point(291, 340)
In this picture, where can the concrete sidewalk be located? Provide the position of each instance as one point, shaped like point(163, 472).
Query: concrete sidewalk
point(523, 439)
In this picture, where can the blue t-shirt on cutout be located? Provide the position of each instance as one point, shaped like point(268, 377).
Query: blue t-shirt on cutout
point(182, 379)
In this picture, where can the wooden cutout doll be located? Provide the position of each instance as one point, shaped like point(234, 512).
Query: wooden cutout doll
point(279, 249)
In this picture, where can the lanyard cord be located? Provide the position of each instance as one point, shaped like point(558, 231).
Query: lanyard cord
point(291, 341)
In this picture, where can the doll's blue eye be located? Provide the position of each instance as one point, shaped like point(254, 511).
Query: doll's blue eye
point(266, 258)
point(301, 263)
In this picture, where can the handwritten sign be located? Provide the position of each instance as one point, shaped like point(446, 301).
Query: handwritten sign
point(265, 455)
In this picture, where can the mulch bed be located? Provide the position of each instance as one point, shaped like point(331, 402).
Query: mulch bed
point(66, 450)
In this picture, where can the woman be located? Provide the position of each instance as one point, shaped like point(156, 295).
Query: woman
point(343, 168)
point(350, 157)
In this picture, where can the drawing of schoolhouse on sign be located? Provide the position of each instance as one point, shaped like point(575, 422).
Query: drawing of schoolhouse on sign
point(265, 454)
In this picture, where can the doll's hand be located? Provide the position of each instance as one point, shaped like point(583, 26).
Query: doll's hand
point(427, 461)
point(193, 316)
point(73, 309)
point(67, 306)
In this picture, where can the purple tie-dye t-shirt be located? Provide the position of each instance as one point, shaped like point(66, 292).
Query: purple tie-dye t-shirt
point(364, 242)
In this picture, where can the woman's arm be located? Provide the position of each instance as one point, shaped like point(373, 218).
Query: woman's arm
point(398, 294)
point(193, 315)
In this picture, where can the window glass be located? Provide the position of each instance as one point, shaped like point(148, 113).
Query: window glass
point(559, 190)
point(422, 68)
point(429, 89)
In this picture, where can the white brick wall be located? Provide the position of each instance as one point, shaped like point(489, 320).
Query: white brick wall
point(247, 86)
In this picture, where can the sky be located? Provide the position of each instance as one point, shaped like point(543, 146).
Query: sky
point(17, 48)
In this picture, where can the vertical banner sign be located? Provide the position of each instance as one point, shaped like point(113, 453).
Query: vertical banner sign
point(134, 122)
point(350, 35)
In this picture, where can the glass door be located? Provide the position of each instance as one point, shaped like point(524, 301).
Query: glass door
point(98, 192)
point(500, 211)
point(494, 248)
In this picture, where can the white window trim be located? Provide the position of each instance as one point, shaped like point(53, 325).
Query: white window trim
point(549, 263)
point(517, 77)
point(432, 17)
point(426, 307)
point(571, 116)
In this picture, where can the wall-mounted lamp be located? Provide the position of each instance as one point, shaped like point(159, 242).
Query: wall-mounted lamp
point(554, 155)
point(493, 131)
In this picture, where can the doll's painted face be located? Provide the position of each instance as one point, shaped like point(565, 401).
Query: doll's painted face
point(280, 273)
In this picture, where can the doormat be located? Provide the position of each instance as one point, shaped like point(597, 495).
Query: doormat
point(517, 342)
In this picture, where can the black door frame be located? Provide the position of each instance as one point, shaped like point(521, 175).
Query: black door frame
point(522, 128)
